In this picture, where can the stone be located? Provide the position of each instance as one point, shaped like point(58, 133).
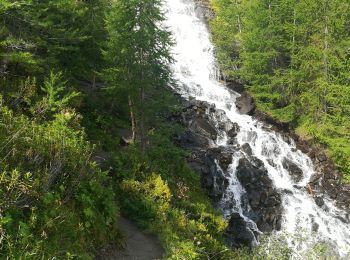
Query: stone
point(294, 171)
point(191, 140)
point(125, 136)
point(264, 199)
point(233, 131)
point(245, 104)
point(315, 227)
point(321, 157)
point(239, 234)
point(315, 178)
point(203, 127)
point(247, 149)
point(319, 201)
point(235, 86)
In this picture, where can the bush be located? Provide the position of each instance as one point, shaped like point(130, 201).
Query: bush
point(55, 202)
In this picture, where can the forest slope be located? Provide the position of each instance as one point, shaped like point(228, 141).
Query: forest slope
point(294, 58)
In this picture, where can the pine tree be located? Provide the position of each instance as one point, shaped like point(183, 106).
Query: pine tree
point(137, 53)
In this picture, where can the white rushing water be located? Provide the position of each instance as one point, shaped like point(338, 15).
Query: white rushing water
point(197, 74)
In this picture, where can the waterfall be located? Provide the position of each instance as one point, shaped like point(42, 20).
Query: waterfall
point(196, 72)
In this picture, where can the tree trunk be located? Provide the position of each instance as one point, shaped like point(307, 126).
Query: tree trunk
point(132, 118)
point(238, 18)
point(142, 112)
point(94, 82)
point(294, 30)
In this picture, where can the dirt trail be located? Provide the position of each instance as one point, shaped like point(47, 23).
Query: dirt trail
point(139, 246)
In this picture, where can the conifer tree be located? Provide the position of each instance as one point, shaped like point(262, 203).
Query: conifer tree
point(137, 53)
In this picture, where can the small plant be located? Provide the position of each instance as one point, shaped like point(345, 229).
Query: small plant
point(57, 97)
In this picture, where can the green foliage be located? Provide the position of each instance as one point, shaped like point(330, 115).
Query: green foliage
point(294, 57)
point(163, 195)
point(36, 36)
point(55, 201)
point(54, 88)
point(137, 54)
point(188, 231)
point(147, 200)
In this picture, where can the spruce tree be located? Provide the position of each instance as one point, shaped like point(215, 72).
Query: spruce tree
point(137, 53)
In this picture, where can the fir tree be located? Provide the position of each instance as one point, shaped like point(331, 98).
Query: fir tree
point(137, 53)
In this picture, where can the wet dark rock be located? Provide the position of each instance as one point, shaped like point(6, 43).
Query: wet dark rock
point(325, 169)
point(226, 126)
point(233, 131)
point(223, 155)
point(214, 177)
point(315, 178)
point(341, 219)
point(271, 162)
point(286, 138)
point(333, 195)
point(298, 187)
point(203, 127)
point(196, 161)
point(215, 182)
point(239, 234)
point(319, 201)
point(274, 124)
point(225, 160)
point(235, 86)
point(247, 149)
point(200, 119)
point(285, 191)
point(191, 140)
point(315, 227)
point(245, 104)
point(294, 171)
point(220, 116)
point(264, 199)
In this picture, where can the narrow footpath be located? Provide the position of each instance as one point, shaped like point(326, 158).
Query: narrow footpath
point(139, 245)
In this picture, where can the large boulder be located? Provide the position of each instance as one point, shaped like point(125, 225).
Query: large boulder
point(239, 233)
point(247, 149)
point(203, 127)
point(294, 171)
point(201, 131)
point(265, 201)
point(126, 136)
point(190, 140)
point(222, 154)
point(245, 104)
point(235, 86)
point(214, 181)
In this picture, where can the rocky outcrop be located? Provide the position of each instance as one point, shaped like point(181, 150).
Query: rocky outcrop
point(327, 180)
point(201, 131)
point(239, 233)
point(264, 199)
point(212, 163)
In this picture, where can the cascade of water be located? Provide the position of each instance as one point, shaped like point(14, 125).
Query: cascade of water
point(196, 71)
